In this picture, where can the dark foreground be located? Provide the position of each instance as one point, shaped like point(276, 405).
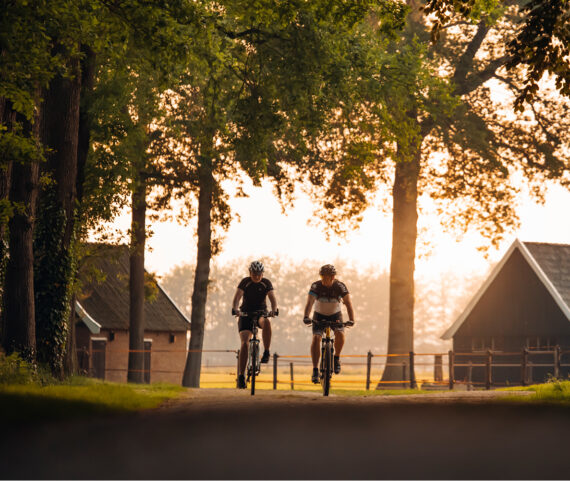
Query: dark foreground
point(228, 435)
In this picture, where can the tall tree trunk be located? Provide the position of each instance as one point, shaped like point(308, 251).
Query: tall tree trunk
point(55, 258)
point(7, 117)
point(19, 309)
point(201, 277)
point(404, 234)
point(136, 283)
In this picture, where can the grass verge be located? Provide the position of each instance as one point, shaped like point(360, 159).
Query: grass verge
point(553, 392)
point(29, 393)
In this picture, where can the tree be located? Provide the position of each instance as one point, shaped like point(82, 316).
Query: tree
point(541, 43)
point(267, 79)
point(420, 111)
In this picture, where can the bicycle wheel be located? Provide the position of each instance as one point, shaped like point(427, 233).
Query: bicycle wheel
point(327, 371)
point(254, 356)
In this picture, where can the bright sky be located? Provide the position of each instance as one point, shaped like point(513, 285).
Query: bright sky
point(265, 231)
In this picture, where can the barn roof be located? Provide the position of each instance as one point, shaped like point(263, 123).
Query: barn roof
point(551, 264)
point(104, 303)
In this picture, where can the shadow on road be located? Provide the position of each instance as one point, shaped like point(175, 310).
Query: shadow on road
point(228, 435)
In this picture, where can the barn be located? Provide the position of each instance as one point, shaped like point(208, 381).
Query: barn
point(102, 322)
point(519, 318)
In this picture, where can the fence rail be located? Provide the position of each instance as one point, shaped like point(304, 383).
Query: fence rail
point(488, 360)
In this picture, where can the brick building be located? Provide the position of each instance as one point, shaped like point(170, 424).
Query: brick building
point(102, 322)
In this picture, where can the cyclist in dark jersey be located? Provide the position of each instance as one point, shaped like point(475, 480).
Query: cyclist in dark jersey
point(253, 289)
point(327, 294)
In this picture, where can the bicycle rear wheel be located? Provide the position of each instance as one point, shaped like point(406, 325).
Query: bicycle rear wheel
point(327, 370)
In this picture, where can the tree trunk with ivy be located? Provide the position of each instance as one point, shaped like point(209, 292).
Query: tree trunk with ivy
point(53, 243)
point(87, 82)
point(136, 282)
point(201, 277)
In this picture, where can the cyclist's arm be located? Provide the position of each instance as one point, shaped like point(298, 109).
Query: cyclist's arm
point(237, 297)
point(309, 305)
point(272, 300)
point(348, 303)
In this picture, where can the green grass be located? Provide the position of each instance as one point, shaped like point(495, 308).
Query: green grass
point(553, 392)
point(26, 403)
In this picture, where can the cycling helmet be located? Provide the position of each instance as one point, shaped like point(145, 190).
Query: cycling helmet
point(327, 270)
point(256, 266)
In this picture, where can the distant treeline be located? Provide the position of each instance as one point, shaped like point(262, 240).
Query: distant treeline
point(437, 303)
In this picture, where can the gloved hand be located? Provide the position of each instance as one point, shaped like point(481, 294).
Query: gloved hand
point(350, 323)
point(307, 320)
point(235, 312)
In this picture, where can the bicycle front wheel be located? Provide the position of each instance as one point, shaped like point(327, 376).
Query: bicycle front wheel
point(254, 366)
point(327, 370)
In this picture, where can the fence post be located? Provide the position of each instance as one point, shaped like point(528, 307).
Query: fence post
point(413, 384)
point(557, 362)
point(524, 363)
point(368, 369)
point(237, 368)
point(275, 357)
point(438, 368)
point(470, 377)
point(292, 380)
point(451, 370)
point(489, 380)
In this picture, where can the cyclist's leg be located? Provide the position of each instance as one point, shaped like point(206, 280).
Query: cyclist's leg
point(338, 342)
point(265, 325)
point(244, 336)
point(316, 349)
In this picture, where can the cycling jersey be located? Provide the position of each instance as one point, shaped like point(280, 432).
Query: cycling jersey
point(254, 294)
point(328, 298)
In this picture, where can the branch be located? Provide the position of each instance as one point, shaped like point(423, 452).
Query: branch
point(477, 79)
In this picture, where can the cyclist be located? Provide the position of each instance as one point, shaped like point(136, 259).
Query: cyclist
point(253, 289)
point(327, 293)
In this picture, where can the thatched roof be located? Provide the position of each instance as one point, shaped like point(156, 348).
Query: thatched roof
point(551, 264)
point(105, 293)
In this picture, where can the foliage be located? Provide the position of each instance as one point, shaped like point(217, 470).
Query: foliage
point(541, 43)
point(555, 391)
point(16, 371)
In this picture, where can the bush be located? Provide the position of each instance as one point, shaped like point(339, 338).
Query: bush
point(15, 370)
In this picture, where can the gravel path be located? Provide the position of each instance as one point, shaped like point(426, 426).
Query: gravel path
point(228, 434)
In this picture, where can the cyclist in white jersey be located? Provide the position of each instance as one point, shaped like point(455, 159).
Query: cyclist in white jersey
point(326, 295)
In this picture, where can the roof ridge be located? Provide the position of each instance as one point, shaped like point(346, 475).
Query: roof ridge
point(558, 244)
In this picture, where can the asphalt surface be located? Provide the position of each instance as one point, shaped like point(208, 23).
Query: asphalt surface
point(228, 434)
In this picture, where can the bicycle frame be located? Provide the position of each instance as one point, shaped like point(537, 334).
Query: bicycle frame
point(253, 363)
point(327, 353)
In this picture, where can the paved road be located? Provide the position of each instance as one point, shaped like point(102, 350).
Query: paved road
point(227, 434)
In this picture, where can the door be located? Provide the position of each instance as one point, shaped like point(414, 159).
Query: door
point(147, 349)
point(98, 358)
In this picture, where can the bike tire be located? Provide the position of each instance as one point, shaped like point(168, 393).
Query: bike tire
point(253, 368)
point(327, 371)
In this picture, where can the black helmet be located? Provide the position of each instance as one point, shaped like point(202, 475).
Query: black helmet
point(256, 266)
point(327, 270)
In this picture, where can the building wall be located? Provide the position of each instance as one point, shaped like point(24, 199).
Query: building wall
point(167, 358)
point(516, 312)
point(516, 304)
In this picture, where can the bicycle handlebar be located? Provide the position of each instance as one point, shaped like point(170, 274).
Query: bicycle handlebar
point(258, 314)
point(325, 323)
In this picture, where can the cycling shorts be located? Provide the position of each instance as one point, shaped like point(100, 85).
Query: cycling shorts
point(245, 323)
point(318, 330)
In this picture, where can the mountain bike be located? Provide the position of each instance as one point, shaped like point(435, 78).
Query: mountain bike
point(327, 352)
point(253, 363)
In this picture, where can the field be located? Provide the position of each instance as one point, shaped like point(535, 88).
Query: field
point(352, 377)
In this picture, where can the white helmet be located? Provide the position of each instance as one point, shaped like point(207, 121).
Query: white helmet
point(256, 266)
